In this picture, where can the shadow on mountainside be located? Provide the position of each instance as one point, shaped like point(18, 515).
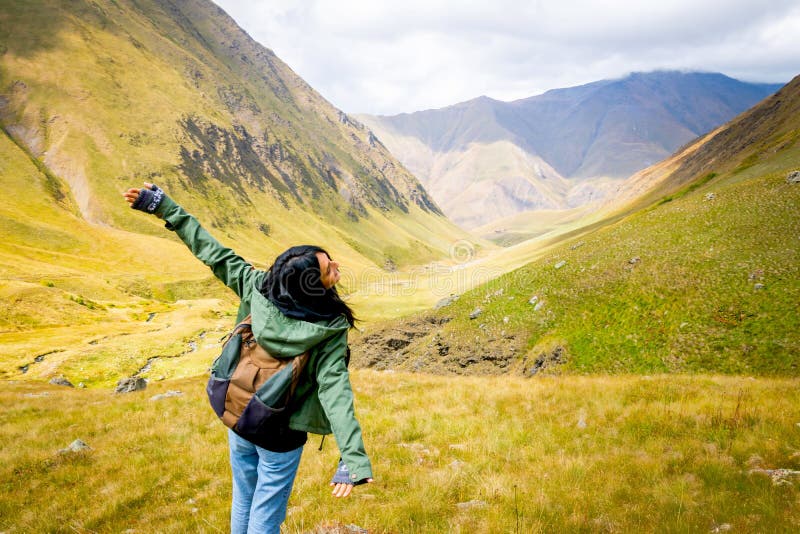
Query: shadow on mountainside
point(27, 28)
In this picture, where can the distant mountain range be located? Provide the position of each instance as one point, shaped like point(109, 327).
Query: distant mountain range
point(484, 159)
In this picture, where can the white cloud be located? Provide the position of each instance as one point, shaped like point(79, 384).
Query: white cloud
point(389, 56)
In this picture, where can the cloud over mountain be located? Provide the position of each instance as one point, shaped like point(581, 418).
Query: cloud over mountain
point(388, 57)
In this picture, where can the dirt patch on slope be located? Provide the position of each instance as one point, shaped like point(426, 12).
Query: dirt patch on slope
point(424, 344)
point(389, 347)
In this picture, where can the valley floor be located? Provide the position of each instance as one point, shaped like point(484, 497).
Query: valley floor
point(662, 453)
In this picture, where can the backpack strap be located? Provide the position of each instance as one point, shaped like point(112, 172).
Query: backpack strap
point(247, 322)
point(298, 364)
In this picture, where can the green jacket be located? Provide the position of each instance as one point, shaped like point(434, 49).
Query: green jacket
point(323, 398)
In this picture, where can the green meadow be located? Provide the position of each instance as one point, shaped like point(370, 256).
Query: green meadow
point(707, 280)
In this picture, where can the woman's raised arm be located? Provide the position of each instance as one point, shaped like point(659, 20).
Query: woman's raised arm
point(232, 269)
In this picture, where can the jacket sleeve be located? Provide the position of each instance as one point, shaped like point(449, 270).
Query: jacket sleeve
point(336, 397)
point(232, 269)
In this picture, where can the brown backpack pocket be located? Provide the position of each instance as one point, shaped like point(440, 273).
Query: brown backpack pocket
point(249, 389)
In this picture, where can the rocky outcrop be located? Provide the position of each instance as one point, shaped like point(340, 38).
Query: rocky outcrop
point(76, 446)
point(419, 345)
point(61, 381)
point(129, 385)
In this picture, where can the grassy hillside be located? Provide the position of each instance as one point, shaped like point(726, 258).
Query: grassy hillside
point(690, 285)
point(95, 304)
point(176, 93)
point(96, 97)
point(621, 454)
point(700, 274)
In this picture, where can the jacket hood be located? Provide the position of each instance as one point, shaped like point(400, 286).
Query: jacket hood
point(284, 336)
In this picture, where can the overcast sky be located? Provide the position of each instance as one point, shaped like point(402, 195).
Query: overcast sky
point(387, 57)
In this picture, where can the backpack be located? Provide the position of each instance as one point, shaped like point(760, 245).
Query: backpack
point(249, 389)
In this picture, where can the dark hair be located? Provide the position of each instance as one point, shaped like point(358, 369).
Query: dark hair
point(293, 284)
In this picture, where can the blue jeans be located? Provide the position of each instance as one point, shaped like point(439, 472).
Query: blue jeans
point(262, 482)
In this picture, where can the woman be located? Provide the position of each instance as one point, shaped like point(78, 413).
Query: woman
point(295, 308)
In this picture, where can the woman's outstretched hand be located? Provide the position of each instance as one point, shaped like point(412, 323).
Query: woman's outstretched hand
point(343, 490)
point(132, 194)
point(147, 199)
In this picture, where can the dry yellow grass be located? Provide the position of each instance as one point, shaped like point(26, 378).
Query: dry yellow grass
point(624, 454)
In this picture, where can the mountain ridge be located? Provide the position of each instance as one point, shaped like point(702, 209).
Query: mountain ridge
point(763, 130)
point(590, 134)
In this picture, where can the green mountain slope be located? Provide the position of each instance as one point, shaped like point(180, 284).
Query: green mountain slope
point(702, 274)
point(98, 96)
point(106, 94)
